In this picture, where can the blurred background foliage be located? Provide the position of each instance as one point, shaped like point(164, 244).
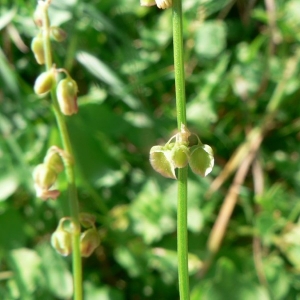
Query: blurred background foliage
point(238, 56)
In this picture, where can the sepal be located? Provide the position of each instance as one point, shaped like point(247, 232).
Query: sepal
point(202, 159)
point(161, 162)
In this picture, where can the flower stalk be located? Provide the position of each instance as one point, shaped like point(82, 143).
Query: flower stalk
point(182, 235)
point(68, 158)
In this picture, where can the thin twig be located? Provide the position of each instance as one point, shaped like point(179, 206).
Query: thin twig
point(228, 205)
point(258, 180)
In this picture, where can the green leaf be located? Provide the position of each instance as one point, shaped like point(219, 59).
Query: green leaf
point(210, 39)
point(152, 216)
point(6, 18)
point(103, 72)
point(93, 292)
point(25, 264)
point(12, 231)
point(55, 271)
point(8, 185)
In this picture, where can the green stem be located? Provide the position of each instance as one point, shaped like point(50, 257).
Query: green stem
point(182, 236)
point(69, 165)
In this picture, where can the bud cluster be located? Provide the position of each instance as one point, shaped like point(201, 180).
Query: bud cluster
point(45, 174)
point(67, 89)
point(165, 159)
point(61, 239)
point(163, 4)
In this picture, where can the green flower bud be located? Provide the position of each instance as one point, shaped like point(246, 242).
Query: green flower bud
point(53, 160)
point(61, 241)
point(44, 176)
point(67, 96)
point(87, 220)
point(201, 159)
point(37, 47)
point(46, 194)
point(58, 34)
point(44, 82)
point(89, 241)
point(147, 2)
point(180, 156)
point(163, 4)
point(161, 162)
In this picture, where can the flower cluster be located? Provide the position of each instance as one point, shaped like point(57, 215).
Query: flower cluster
point(165, 159)
point(163, 4)
point(45, 174)
point(61, 239)
point(67, 89)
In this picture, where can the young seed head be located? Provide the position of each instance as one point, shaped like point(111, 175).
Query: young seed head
point(89, 241)
point(58, 34)
point(44, 82)
point(163, 4)
point(67, 96)
point(161, 162)
point(180, 156)
point(61, 241)
point(44, 176)
point(87, 220)
point(53, 160)
point(37, 47)
point(147, 2)
point(201, 160)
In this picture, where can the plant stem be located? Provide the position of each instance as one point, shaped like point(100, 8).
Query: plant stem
point(178, 63)
point(182, 236)
point(69, 165)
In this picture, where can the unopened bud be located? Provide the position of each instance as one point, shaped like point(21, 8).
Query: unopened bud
point(46, 194)
point(67, 96)
point(58, 34)
point(180, 156)
point(89, 241)
point(61, 240)
point(44, 177)
point(44, 82)
point(163, 4)
point(147, 2)
point(37, 47)
point(54, 160)
point(87, 220)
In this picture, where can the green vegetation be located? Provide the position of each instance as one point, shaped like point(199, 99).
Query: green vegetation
point(242, 90)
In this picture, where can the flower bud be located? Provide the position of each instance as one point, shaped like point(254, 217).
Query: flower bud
point(58, 34)
point(180, 156)
point(44, 82)
point(67, 96)
point(201, 159)
point(89, 241)
point(44, 177)
point(46, 194)
point(61, 241)
point(37, 47)
point(53, 160)
point(87, 220)
point(147, 2)
point(163, 4)
point(161, 162)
